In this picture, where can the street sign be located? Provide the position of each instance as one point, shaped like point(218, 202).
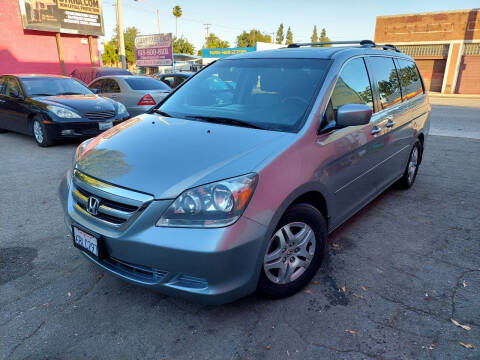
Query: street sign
point(63, 16)
point(154, 50)
point(223, 52)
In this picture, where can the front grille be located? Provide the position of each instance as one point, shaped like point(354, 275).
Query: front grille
point(99, 115)
point(135, 271)
point(116, 206)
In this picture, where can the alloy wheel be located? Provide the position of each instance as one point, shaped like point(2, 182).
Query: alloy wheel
point(289, 253)
point(38, 131)
point(412, 164)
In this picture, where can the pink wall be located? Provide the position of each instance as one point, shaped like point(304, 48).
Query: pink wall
point(29, 51)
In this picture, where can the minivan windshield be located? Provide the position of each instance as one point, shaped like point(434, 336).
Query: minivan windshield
point(50, 86)
point(272, 94)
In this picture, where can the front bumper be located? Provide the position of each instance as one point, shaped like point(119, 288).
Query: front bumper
point(78, 128)
point(207, 265)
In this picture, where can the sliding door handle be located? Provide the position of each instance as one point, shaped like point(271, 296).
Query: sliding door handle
point(375, 130)
point(390, 123)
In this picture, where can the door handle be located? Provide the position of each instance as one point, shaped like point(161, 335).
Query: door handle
point(375, 130)
point(390, 123)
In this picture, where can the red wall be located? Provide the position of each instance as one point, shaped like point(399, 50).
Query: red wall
point(30, 51)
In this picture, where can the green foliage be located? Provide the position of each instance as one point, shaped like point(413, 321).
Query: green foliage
point(324, 37)
point(110, 55)
point(183, 46)
point(248, 39)
point(177, 11)
point(314, 37)
point(279, 38)
point(129, 35)
point(214, 42)
point(289, 37)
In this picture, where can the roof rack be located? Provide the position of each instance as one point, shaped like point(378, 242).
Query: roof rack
point(363, 43)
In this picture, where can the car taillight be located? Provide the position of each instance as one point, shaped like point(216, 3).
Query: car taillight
point(147, 100)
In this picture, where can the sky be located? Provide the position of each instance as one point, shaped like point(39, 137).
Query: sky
point(342, 19)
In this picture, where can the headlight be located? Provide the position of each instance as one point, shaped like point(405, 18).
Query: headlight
point(63, 113)
point(121, 108)
point(212, 205)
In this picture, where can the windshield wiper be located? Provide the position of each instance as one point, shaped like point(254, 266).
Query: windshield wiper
point(224, 120)
point(163, 113)
point(71, 93)
point(42, 94)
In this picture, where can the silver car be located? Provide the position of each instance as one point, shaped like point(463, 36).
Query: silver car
point(233, 183)
point(138, 93)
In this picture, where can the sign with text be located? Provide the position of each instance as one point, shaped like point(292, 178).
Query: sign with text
point(154, 50)
point(64, 16)
point(218, 53)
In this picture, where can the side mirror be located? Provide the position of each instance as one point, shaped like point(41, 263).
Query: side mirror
point(353, 115)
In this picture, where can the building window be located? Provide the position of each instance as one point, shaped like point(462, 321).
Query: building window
point(471, 49)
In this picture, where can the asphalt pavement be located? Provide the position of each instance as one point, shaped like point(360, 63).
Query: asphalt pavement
point(397, 274)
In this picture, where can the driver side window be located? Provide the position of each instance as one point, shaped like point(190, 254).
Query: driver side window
point(352, 87)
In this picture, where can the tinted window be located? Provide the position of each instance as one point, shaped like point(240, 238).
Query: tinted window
point(146, 83)
point(410, 79)
point(97, 85)
point(270, 93)
point(168, 80)
point(46, 86)
point(180, 79)
point(353, 86)
point(386, 80)
point(2, 87)
point(12, 88)
point(110, 86)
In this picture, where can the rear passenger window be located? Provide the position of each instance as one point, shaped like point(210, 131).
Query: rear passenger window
point(409, 79)
point(111, 86)
point(386, 79)
point(352, 87)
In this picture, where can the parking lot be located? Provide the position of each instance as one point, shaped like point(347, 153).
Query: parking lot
point(396, 274)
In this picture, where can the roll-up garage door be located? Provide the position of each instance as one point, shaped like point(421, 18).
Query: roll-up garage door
point(468, 80)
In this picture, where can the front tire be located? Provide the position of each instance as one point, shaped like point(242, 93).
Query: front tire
point(294, 253)
point(40, 133)
point(410, 173)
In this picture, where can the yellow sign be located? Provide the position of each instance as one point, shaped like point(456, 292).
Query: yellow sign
point(84, 6)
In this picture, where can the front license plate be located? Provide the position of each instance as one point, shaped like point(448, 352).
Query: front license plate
point(85, 241)
point(105, 125)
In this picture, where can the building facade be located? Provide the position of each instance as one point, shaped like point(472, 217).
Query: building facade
point(445, 45)
point(32, 51)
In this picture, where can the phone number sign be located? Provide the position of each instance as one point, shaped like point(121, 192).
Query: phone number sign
point(154, 50)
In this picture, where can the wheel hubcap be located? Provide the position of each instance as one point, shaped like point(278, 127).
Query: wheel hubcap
point(412, 164)
point(37, 131)
point(289, 253)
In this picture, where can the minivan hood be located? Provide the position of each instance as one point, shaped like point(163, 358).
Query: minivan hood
point(81, 103)
point(165, 156)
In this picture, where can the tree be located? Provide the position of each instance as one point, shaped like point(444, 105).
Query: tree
point(314, 36)
point(280, 34)
point(324, 37)
point(289, 37)
point(249, 39)
point(110, 55)
point(129, 36)
point(183, 46)
point(177, 12)
point(214, 42)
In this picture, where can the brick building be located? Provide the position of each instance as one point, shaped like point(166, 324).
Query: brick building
point(445, 45)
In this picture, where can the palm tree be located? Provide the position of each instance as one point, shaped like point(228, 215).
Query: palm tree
point(177, 12)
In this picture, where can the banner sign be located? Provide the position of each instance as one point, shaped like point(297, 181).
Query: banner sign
point(218, 53)
point(64, 16)
point(154, 50)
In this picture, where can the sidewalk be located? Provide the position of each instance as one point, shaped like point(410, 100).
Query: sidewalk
point(454, 99)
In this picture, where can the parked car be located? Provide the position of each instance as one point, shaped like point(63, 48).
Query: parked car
point(88, 74)
point(212, 196)
point(137, 93)
point(51, 107)
point(173, 79)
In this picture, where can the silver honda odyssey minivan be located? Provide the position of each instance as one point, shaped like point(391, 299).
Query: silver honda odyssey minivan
point(233, 182)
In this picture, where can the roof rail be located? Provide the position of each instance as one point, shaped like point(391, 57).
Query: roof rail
point(359, 42)
point(363, 43)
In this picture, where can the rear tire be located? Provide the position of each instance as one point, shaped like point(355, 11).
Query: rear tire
point(40, 133)
point(410, 173)
point(293, 257)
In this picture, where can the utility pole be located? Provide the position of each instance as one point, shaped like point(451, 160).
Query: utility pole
point(158, 20)
point(207, 26)
point(121, 41)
